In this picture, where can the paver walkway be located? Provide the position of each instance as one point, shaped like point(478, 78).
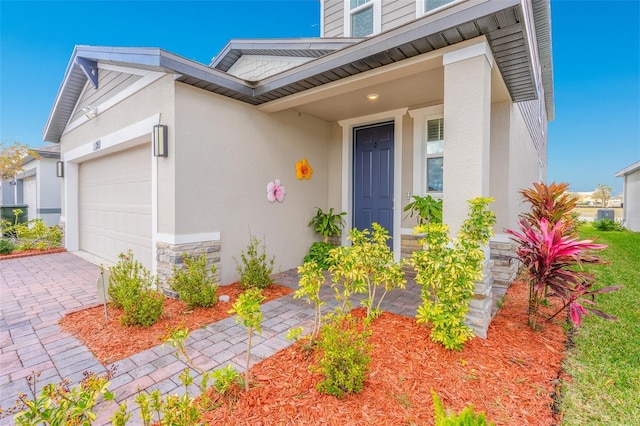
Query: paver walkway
point(35, 292)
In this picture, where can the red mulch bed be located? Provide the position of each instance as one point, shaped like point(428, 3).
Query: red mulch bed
point(510, 376)
point(31, 252)
point(112, 342)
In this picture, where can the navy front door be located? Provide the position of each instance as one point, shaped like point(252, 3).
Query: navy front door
point(373, 176)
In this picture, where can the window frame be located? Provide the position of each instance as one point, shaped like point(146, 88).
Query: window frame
point(427, 156)
point(421, 10)
point(421, 118)
point(376, 5)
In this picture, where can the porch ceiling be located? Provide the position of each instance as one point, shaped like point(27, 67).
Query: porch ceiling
point(413, 86)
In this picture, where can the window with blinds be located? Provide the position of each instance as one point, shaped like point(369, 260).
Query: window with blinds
point(434, 154)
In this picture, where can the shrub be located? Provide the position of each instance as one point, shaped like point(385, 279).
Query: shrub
point(551, 260)
point(345, 356)
point(311, 280)
point(36, 235)
point(195, 284)
point(319, 254)
point(466, 417)
point(607, 225)
point(227, 379)
point(364, 266)
point(170, 410)
point(144, 310)
point(6, 246)
point(447, 271)
point(255, 269)
point(247, 306)
point(58, 404)
point(132, 288)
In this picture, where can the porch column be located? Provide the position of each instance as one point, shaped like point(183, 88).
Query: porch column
point(467, 122)
point(466, 171)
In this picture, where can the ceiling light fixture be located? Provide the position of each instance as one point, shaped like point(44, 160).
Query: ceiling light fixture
point(373, 96)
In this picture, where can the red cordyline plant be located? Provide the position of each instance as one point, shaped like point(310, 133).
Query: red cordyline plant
point(552, 202)
point(552, 259)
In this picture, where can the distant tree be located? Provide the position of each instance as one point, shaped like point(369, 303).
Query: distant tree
point(602, 194)
point(11, 157)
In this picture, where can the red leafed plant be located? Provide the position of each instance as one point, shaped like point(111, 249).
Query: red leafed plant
point(552, 254)
point(552, 202)
point(553, 262)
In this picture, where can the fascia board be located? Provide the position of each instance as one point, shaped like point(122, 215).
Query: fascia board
point(629, 169)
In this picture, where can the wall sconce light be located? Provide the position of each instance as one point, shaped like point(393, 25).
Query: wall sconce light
point(160, 140)
point(90, 111)
point(59, 169)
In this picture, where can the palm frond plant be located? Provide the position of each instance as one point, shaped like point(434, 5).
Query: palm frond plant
point(328, 223)
point(428, 209)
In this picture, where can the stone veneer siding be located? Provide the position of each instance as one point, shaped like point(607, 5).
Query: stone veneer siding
point(505, 264)
point(170, 255)
point(480, 309)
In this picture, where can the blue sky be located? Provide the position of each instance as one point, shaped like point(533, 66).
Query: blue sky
point(596, 50)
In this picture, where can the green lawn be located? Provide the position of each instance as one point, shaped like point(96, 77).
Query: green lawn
point(605, 362)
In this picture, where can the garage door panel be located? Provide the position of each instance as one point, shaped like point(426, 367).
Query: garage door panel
point(115, 205)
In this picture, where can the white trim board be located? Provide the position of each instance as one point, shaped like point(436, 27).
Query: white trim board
point(188, 238)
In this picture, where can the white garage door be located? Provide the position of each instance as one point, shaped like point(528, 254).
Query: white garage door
point(115, 205)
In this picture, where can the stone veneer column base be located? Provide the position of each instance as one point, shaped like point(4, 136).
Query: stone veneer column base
point(170, 255)
point(479, 316)
point(505, 264)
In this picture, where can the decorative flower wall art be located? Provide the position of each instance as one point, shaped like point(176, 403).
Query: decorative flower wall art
point(303, 169)
point(275, 191)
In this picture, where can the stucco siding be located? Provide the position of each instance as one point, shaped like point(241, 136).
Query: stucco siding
point(632, 201)
point(49, 192)
point(396, 13)
point(524, 166)
point(500, 163)
point(333, 18)
point(335, 167)
point(226, 154)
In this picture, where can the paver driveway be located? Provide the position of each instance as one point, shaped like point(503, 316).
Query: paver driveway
point(35, 292)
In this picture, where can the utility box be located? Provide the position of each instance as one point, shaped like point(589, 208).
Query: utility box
point(6, 213)
point(606, 214)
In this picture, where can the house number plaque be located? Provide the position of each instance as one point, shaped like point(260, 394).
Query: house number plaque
point(96, 145)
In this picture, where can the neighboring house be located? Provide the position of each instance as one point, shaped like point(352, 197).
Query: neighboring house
point(37, 187)
point(631, 196)
point(395, 99)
